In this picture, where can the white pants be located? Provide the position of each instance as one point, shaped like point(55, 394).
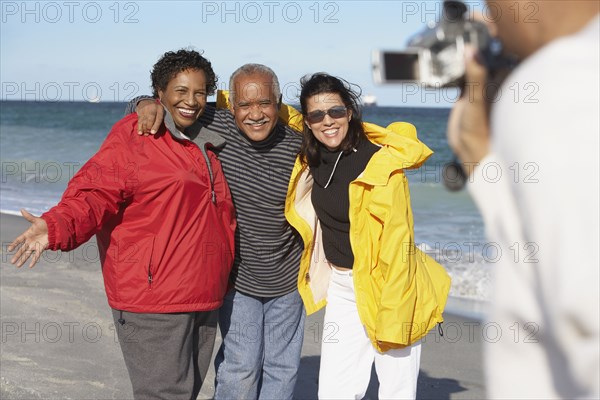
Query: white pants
point(347, 354)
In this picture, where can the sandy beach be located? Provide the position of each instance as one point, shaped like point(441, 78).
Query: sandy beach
point(58, 339)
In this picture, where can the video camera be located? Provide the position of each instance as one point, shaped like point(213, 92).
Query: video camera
point(434, 57)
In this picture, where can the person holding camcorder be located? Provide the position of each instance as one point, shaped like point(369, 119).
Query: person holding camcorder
point(546, 217)
point(529, 113)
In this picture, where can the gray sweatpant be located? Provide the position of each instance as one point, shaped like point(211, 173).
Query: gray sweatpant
point(167, 355)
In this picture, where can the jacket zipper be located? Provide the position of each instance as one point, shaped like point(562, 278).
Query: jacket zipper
point(213, 194)
point(150, 276)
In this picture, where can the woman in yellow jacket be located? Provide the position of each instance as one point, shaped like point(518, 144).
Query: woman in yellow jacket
point(349, 200)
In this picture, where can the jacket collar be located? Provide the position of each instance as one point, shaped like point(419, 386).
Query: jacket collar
point(197, 133)
point(400, 150)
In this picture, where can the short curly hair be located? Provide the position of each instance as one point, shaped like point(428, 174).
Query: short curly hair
point(173, 62)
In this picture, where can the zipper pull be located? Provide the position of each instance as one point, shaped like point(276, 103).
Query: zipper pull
point(213, 196)
point(149, 278)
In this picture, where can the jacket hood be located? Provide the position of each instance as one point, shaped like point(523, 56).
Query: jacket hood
point(401, 150)
point(193, 133)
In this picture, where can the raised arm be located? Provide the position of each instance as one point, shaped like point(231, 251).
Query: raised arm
point(151, 114)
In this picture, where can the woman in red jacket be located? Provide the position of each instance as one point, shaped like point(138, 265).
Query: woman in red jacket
point(164, 221)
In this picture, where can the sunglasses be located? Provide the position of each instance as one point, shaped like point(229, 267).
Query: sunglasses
point(334, 112)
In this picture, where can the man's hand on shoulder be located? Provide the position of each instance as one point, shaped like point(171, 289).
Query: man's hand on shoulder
point(150, 116)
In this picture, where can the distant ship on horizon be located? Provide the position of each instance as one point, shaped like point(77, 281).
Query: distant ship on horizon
point(369, 100)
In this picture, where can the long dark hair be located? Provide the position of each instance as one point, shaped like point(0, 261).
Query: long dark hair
point(320, 83)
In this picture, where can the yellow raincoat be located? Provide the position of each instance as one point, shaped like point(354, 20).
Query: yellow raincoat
point(400, 291)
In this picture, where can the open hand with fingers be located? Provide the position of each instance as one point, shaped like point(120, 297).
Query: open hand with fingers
point(32, 242)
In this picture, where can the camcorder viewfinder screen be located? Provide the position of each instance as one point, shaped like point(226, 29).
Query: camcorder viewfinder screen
point(401, 66)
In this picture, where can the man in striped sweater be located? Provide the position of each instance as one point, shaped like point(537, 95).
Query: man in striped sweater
point(262, 318)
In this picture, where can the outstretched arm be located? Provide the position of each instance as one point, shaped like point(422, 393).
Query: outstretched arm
point(93, 195)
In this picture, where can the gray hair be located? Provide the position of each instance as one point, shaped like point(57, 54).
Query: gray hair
point(249, 69)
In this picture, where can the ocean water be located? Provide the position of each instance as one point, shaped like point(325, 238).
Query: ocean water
point(43, 144)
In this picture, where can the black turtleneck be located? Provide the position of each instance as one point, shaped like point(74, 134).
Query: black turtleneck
point(332, 203)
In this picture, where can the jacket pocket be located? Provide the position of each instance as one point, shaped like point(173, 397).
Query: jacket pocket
point(137, 267)
point(370, 237)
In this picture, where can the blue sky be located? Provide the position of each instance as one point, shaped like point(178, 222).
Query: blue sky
point(80, 50)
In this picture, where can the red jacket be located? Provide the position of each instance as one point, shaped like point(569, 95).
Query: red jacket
point(166, 241)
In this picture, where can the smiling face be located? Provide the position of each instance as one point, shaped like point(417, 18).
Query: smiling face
point(330, 131)
point(185, 97)
point(255, 106)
